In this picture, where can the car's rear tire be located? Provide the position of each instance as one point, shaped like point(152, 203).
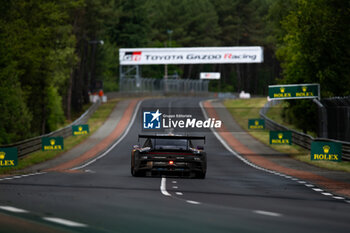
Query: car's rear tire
point(201, 175)
point(136, 172)
point(135, 164)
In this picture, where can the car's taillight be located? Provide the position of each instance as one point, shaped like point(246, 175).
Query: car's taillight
point(171, 162)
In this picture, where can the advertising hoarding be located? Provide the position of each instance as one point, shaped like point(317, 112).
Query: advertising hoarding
point(294, 91)
point(196, 55)
point(210, 75)
point(280, 137)
point(326, 151)
point(52, 143)
point(8, 157)
point(80, 130)
point(256, 123)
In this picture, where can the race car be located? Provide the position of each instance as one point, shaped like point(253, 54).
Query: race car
point(169, 154)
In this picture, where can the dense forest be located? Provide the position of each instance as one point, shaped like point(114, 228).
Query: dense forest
point(52, 51)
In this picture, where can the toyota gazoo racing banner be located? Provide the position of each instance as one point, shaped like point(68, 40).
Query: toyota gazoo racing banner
point(200, 55)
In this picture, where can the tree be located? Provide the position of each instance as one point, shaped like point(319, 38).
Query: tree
point(36, 37)
point(243, 23)
point(316, 46)
point(315, 49)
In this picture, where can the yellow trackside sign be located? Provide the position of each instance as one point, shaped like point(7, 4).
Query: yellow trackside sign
point(8, 157)
point(328, 151)
point(52, 143)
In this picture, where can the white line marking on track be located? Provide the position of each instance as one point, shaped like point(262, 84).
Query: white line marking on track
point(268, 213)
point(179, 193)
point(21, 176)
point(309, 185)
point(89, 171)
point(338, 198)
point(327, 194)
point(64, 222)
point(227, 146)
point(193, 202)
point(175, 187)
point(244, 160)
point(163, 187)
point(301, 182)
point(13, 209)
point(93, 160)
point(174, 182)
point(116, 143)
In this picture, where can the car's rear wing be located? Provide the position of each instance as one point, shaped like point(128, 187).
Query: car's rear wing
point(173, 137)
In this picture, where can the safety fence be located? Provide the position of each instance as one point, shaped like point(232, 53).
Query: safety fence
point(142, 85)
point(299, 138)
point(28, 146)
point(338, 117)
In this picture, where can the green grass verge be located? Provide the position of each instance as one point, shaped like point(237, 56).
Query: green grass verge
point(244, 109)
point(95, 121)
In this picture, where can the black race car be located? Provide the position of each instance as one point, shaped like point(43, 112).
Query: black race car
point(169, 154)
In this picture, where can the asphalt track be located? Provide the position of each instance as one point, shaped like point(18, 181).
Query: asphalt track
point(104, 197)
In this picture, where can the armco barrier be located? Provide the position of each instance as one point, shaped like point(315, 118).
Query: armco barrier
point(33, 144)
point(301, 139)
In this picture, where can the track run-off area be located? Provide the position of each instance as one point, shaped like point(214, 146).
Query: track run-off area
point(100, 195)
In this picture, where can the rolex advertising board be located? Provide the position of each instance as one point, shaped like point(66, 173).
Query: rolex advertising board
point(256, 123)
point(327, 151)
point(294, 91)
point(52, 143)
point(8, 157)
point(80, 130)
point(281, 137)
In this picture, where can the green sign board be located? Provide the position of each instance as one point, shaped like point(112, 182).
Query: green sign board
point(294, 91)
point(80, 130)
point(281, 137)
point(52, 143)
point(328, 151)
point(8, 157)
point(256, 124)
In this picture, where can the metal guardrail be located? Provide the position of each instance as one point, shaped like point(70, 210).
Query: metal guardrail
point(299, 138)
point(28, 146)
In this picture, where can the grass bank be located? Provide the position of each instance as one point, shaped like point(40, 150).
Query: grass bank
point(95, 121)
point(244, 109)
